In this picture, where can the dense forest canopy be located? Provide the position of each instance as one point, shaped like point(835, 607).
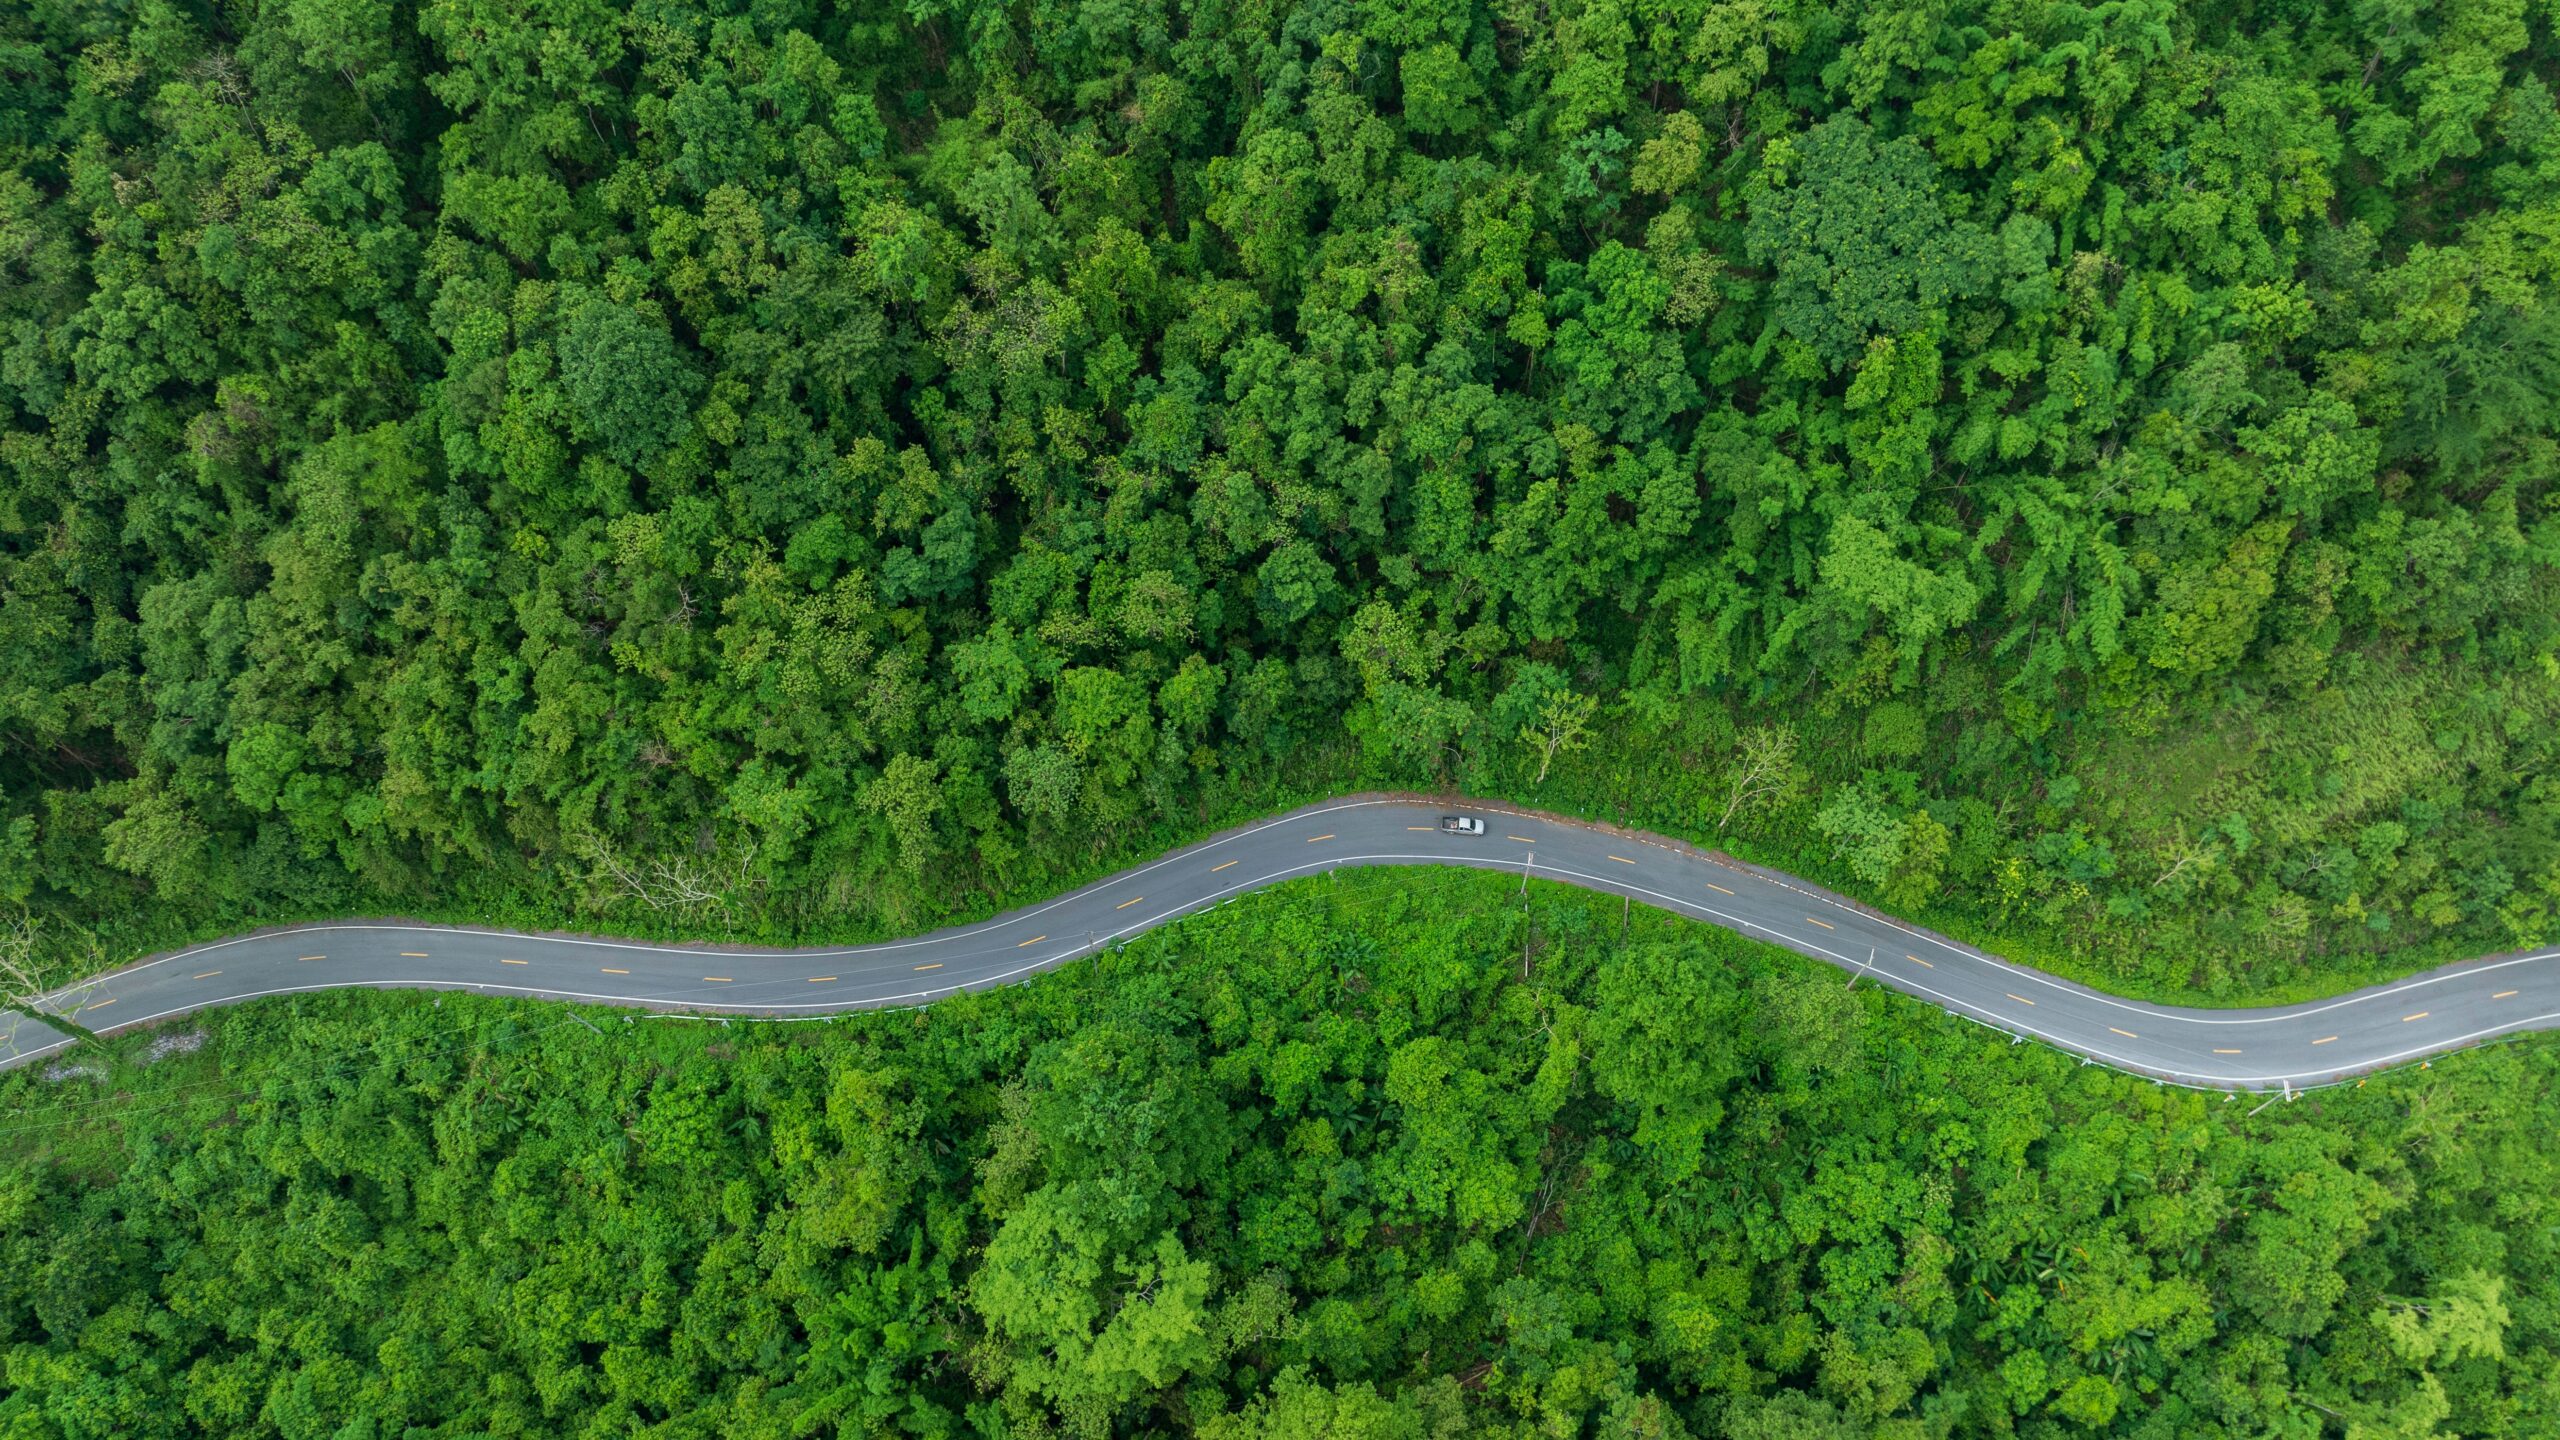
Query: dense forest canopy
point(805, 465)
point(1381, 1159)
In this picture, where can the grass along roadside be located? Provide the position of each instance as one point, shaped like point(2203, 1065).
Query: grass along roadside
point(1675, 778)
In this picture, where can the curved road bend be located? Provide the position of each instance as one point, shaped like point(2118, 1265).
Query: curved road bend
point(2293, 1046)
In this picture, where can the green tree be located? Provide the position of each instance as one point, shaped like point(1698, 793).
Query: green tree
point(1859, 237)
point(627, 389)
point(1562, 724)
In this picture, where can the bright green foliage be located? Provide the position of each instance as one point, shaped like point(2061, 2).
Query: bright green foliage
point(1394, 1156)
point(866, 461)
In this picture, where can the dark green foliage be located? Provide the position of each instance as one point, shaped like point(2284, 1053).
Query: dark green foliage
point(806, 467)
point(1387, 1154)
point(1859, 241)
point(629, 395)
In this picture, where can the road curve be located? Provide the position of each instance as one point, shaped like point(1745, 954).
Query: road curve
point(2291, 1046)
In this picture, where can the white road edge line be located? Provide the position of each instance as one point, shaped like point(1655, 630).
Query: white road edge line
point(1670, 902)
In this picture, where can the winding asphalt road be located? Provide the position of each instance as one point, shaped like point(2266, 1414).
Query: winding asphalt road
point(2282, 1047)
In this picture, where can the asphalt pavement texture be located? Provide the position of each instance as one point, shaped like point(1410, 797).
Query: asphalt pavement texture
point(2275, 1048)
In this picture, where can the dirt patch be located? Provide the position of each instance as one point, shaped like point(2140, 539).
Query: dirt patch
point(183, 1042)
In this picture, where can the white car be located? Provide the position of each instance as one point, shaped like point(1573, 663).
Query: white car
point(1461, 825)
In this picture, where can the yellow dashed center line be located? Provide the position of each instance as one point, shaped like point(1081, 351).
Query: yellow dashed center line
point(1313, 839)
